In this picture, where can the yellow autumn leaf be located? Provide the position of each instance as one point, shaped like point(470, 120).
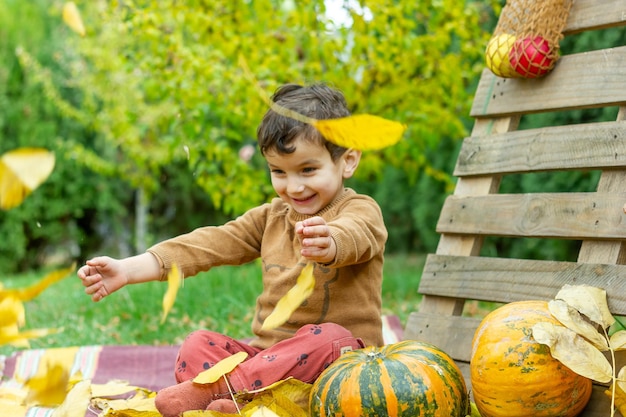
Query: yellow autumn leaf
point(30, 292)
point(21, 171)
point(292, 389)
point(573, 351)
point(76, 402)
point(620, 397)
point(49, 389)
point(362, 131)
point(572, 319)
point(618, 340)
point(174, 281)
point(220, 369)
point(71, 17)
point(10, 335)
point(292, 300)
point(11, 312)
point(588, 300)
point(131, 413)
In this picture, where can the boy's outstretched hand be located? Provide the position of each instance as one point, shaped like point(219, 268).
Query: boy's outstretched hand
point(102, 276)
point(317, 243)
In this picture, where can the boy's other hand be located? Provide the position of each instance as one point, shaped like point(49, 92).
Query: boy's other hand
point(316, 240)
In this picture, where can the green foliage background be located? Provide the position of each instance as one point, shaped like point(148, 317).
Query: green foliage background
point(148, 113)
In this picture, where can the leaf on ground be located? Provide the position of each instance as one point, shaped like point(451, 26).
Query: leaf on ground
point(113, 388)
point(618, 340)
point(588, 300)
point(220, 369)
point(28, 293)
point(49, 389)
point(362, 131)
point(76, 402)
point(573, 351)
point(136, 403)
point(292, 300)
point(293, 389)
point(71, 17)
point(21, 172)
point(572, 319)
point(174, 281)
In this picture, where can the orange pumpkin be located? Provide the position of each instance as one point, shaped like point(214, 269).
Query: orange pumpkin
point(512, 375)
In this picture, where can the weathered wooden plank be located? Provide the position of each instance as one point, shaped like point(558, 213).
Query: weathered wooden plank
point(506, 280)
point(555, 215)
point(585, 80)
point(595, 14)
point(585, 146)
point(452, 332)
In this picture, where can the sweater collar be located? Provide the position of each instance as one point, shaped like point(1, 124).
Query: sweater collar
point(294, 216)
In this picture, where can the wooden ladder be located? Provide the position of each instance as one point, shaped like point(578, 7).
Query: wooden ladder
point(457, 272)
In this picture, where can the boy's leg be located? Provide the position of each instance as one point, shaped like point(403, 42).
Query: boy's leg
point(303, 356)
point(202, 349)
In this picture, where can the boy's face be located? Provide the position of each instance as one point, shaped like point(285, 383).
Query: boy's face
point(308, 179)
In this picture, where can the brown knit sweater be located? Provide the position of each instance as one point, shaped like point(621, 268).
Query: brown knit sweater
point(347, 291)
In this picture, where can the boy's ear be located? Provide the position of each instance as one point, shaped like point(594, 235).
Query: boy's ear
point(351, 159)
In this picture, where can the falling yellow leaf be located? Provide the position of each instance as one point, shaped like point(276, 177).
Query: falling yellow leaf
point(71, 17)
point(21, 171)
point(362, 131)
point(292, 300)
point(174, 281)
point(76, 402)
point(573, 351)
point(20, 339)
point(28, 293)
point(49, 389)
point(11, 312)
point(220, 369)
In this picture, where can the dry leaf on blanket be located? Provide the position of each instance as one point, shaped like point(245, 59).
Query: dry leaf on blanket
point(220, 369)
point(49, 389)
point(292, 300)
point(76, 401)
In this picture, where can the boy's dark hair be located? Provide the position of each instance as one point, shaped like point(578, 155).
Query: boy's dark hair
point(318, 101)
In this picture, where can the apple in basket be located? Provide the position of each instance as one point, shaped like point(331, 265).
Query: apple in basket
point(531, 56)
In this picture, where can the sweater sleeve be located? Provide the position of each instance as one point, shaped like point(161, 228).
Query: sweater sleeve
point(234, 243)
point(358, 230)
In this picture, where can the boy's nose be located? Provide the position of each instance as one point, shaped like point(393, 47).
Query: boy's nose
point(294, 186)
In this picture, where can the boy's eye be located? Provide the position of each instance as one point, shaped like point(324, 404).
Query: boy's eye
point(277, 171)
point(308, 170)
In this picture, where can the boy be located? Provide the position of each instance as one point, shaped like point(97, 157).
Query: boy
point(314, 219)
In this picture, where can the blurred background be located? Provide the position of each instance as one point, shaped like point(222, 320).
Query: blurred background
point(152, 117)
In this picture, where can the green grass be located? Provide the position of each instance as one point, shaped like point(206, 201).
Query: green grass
point(221, 299)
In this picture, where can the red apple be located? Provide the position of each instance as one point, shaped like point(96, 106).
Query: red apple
point(531, 56)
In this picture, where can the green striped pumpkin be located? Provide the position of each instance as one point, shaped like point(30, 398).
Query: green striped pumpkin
point(404, 379)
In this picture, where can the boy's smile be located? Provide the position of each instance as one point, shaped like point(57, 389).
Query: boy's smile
point(308, 179)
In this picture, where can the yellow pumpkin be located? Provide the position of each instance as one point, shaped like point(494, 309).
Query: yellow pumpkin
point(512, 375)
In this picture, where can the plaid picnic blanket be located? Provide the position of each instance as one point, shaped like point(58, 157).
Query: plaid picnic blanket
point(149, 367)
